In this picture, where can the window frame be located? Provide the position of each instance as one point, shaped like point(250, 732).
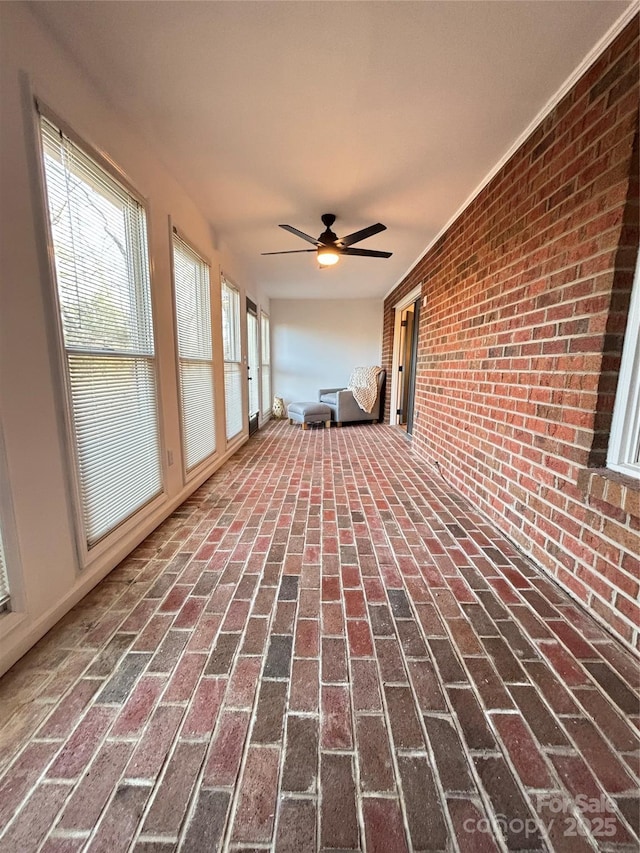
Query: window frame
point(266, 405)
point(623, 453)
point(14, 609)
point(88, 556)
point(225, 282)
point(193, 472)
point(252, 315)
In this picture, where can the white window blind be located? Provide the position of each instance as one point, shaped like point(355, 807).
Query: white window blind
point(232, 359)
point(624, 441)
point(4, 581)
point(195, 355)
point(102, 274)
point(265, 358)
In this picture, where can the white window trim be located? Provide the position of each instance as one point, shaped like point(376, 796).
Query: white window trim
point(231, 439)
point(89, 556)
point(624, 439)
point(256, 368)
point(189, 474)
point(265, 406)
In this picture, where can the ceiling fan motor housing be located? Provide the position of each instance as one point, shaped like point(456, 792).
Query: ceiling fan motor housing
point(328, 238)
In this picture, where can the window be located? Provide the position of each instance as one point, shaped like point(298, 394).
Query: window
point(265, 357)
point(624, 443)
point(99, 240)
point(195, 355)
point(232, 359)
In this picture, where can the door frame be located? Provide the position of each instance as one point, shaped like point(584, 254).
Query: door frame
point(415, 334)
point(399, 307)
point(253, 371)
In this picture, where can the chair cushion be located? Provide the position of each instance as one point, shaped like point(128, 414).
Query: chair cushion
point(332, 399)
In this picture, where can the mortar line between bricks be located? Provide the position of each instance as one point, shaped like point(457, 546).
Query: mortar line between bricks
point(303, 796)
point(69, 833)
point(158, 837)
point(379, 795)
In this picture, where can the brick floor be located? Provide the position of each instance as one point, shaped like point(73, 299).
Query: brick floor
point(325, 647)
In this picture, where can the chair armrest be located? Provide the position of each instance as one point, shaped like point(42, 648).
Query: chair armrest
point(328, 391)
point(347, 408)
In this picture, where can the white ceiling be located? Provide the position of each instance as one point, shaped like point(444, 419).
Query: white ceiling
point(276, 112)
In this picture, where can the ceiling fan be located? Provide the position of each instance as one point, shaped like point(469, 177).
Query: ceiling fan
point(329, 247)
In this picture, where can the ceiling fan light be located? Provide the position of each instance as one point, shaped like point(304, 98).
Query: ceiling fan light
point(328, 256)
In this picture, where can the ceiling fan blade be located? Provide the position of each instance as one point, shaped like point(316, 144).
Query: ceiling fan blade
point(289, 252)
point(350, 239)
point(366, 253)
point(304, 236)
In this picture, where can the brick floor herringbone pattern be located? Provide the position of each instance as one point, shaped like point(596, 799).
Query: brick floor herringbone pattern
point(324, 648)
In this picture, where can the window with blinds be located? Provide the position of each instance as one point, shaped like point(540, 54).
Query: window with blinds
point(99, 240)
point(232, 359)
point(265, 359)
point(195, 354)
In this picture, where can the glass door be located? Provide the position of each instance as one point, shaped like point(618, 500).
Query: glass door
point(253, 366)
point(407, 366)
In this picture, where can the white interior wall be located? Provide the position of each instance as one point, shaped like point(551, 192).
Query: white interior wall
point(317, 343)
point(36, 510)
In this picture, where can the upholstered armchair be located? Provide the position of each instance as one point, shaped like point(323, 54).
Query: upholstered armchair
point(344, 408)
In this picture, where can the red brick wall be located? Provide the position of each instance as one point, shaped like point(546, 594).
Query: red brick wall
point(527, 296)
